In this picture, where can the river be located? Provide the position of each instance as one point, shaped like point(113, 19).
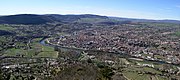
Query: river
point(42, 42)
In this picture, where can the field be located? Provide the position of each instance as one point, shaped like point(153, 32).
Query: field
point(37, 50)
point(136, 76)
point(140, 72)
point(177, 33)
point(5, 27)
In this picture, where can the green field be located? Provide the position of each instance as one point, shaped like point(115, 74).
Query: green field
point(137, 72)
point(14, 52)
point(48, 54)
point(5, 27)
point(37, 50)
point(177, 33)
point(136, 76)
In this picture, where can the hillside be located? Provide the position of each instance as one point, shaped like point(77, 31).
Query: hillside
point(85, 18)
point(145, 20)
point(24, 19)
point(42, 19)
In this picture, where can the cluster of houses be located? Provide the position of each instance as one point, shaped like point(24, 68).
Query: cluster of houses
point(143, 42)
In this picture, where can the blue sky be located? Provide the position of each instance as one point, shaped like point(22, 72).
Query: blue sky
point(148, 9)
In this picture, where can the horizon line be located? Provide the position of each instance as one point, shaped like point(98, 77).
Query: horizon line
point(90, 14)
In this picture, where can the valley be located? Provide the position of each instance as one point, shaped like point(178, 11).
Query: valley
point(88, 47)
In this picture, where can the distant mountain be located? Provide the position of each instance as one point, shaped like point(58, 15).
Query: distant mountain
point(24, 19)
point(70, 18)
point(50, 18)
point(41, 19)
point(144, 20)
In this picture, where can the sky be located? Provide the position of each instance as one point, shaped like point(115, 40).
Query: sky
point(144, 9)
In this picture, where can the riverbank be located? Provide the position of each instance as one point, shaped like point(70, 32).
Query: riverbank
point(44, 40)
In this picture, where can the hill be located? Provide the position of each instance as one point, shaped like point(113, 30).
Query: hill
point(70, 18)
point(50, 18)
point(42, 19)
point(24, 19)
point(145, 20)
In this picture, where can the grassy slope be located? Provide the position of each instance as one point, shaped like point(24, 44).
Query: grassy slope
point(5, 27)
point(177, 33)
point(37, 50)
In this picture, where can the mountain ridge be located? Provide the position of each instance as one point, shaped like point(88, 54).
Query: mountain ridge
point(50, 18)
point(146, 20)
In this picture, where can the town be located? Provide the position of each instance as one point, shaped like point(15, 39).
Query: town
point(147, 42)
